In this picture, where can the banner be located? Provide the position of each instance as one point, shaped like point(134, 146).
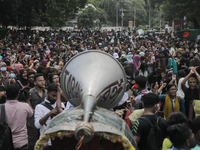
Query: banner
point(177, 25)
point(130, 23)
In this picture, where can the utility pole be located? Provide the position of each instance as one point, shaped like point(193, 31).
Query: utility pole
point(160, 18)
point(134, 14)
point(122, 16)
point(116, 17)
point(149, 17)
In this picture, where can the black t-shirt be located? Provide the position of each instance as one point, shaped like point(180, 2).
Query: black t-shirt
point(141, 129)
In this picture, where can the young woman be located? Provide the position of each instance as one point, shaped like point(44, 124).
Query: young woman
point(3, 74)
point(142, 70)
point(170, 102)
point(23, 80)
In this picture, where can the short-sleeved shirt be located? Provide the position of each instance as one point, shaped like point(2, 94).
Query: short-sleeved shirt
point(16, 115)
point(35, 100)
point(141, 129)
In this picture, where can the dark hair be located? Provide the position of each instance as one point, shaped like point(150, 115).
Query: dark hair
point(196, 54)
point(142, 58)
point(52, 87)
point(30, 73)
point(176, 118)
point(51, 77)
point(40, 69)
point(178, 134)
point(38, 75)
point(195, 125)
point(170, 85)
point(143, 67)
point(181, 73)
point(184, 55)
point(35, 63)
point(150, 99)
point(141, 81)
point(15, 71)
point(12, 91)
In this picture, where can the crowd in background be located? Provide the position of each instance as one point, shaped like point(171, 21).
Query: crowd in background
point(162, 80)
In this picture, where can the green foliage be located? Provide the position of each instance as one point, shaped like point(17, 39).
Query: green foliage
point(58, 11)
point(141, 14)
point(7, 12)
point(87, 17)
point(144, 27)
point(37, 12)
point(178, 9)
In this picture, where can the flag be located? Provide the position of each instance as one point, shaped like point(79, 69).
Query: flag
point(189, 34)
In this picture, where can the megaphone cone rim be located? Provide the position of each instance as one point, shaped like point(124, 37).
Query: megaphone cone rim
point(82, 53)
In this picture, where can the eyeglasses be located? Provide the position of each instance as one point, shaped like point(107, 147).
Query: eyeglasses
point(173, 89)
point(55, 78)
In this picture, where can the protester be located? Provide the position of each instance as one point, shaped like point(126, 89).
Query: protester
point(181, 137)
point(45, 111)
point(195, 126)
point(16, 115)
point(170, 102)
point(38, 94)
point(191, 93)
point(142, 90)
point(154, 63)
point(174, 118)
point(141, 127)
point(4, 74)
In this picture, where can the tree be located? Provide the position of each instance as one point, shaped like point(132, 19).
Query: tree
point(37, 12)
point(179, 9)
point(87, 17)
point(58, 11)
point(141, 14)
point(7, 12)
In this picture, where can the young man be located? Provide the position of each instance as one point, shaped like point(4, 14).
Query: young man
point(16, 115)
point(141, 127)
point(38, 94)
point(195, 126)
point(43, 115)
point(181, 136)
point(141, 82)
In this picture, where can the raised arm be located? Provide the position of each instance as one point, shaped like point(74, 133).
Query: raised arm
point(162, 87)
point(58, 100)
point(187, 77)
point(195, 71)
point(173, 79)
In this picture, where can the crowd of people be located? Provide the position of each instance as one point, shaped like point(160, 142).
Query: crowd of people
point(162, 83)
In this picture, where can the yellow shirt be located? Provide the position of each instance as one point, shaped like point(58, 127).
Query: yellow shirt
point(167, 144)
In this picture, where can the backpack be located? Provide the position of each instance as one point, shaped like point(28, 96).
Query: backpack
point(155, 136)
point(6, 142)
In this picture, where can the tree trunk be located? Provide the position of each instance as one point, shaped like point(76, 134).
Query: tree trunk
point(196, 23)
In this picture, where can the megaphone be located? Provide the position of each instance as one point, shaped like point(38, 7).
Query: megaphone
point(93, 74)
point(93, 78)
